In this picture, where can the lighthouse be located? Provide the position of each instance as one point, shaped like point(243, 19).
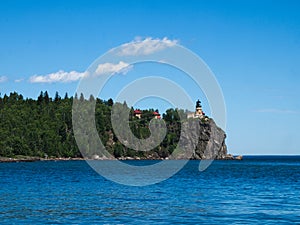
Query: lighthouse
point(199, 113)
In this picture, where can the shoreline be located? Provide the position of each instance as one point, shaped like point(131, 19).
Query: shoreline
point(37, 159)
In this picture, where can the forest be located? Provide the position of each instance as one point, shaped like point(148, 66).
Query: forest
point(42, 127)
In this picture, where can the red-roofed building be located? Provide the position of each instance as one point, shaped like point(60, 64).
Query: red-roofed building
point(156, 115)
point(137, 113)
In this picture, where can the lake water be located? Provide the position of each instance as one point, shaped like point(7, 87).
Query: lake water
point(263, 190)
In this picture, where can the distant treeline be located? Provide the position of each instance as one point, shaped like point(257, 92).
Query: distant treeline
point(43, 127)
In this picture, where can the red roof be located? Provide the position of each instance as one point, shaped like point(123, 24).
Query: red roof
point(156, 114)
point(137, 111)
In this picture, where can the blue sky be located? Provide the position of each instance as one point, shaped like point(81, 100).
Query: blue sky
point(253, 48)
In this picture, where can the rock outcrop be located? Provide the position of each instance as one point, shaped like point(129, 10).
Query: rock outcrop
point(201, 139)
point(211, 143)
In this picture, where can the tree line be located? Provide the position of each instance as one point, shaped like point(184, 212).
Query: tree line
point(42, 127)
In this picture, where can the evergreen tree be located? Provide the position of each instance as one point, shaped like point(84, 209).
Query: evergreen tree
point(44, 127)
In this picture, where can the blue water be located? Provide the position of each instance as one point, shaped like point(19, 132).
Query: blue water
point(263, 190)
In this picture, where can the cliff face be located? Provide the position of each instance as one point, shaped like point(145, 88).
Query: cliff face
point(201, 139)
point(211, 142)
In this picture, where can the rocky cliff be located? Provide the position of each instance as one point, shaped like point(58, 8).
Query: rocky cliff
point(211, 143)
point(201, 139)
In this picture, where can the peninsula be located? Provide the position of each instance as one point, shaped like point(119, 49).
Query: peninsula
point(41, 129)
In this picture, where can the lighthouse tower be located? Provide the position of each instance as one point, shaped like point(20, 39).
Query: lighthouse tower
point(199, 113)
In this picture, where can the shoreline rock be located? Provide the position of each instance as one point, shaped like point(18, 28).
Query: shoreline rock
point(240, 157)
point(36, 159)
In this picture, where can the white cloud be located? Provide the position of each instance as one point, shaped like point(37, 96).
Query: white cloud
point(65, 77)
point(110, 68)
point(3, 79)
point(146, 46)
point(60, 76)
point(283, 111)
point(19, 80)
point(137, 47)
